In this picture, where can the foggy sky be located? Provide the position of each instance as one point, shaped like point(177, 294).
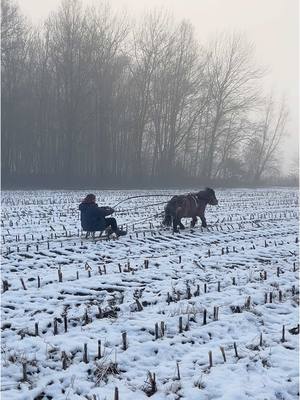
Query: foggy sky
point(272, 25)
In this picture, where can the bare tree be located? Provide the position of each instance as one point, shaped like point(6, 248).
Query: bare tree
point(107, 33)
point(14, 46)
point(13, 26)
point(149, 41)
point(232, 84)
point(84, 102)
point(67, 42)
point(176, 98)
point(267, 136)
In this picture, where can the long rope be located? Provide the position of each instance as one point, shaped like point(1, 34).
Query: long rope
point(145, 219)
point(143, 206)
point(143, 195)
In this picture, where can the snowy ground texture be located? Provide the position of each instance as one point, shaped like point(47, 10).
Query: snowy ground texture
point(204, 314)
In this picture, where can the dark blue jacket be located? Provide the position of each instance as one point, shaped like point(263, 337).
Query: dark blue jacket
point(93, 217)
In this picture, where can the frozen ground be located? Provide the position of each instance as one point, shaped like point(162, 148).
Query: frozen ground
point(141, 301)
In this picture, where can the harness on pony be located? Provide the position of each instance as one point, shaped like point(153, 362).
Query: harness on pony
point(194, 197)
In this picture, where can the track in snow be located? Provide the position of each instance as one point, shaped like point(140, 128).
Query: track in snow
point(243, 267)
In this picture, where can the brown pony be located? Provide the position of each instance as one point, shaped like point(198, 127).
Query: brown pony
point(188, 205)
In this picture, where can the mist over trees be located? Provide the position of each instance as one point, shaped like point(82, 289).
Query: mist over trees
point(92, 99)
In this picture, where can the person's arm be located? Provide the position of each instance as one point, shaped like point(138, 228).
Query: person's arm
point(104, 211)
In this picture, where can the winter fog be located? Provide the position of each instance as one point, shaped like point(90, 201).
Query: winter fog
point(150, 201)
point(138, 94)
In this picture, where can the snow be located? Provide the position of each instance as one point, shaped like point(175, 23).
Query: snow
point(249, 251)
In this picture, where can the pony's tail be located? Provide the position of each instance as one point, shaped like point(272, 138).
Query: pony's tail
point(167, 221)
point(168, 215)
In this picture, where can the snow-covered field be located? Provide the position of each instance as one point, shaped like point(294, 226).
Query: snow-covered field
point(204, 314)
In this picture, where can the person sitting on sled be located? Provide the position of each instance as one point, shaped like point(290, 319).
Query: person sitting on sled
point(93, 217)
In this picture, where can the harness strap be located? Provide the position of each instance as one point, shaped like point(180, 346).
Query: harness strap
point(194, 197)
point(195, 200)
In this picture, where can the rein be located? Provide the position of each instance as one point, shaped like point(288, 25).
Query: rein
point(147, 218)
point(145, 205)
point(143, 195)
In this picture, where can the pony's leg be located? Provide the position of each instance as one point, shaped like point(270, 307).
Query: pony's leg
point(175, 223)
point(177, 220)
point(194, 221)
point(181, 226)
point(203, 220)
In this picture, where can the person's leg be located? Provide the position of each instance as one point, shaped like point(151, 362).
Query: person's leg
point(114, 227)
point(112, 223)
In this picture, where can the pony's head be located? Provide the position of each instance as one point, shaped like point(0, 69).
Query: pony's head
point(209, 195)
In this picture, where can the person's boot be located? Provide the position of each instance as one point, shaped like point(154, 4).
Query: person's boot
point(108, 231)
point(119, 232)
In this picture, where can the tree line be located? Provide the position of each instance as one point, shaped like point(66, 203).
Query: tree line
point(90, 98)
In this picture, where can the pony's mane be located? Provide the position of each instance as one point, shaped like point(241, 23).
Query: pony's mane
point(204, 194)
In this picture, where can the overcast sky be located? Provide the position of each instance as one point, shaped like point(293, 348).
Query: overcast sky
point(272, 25)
